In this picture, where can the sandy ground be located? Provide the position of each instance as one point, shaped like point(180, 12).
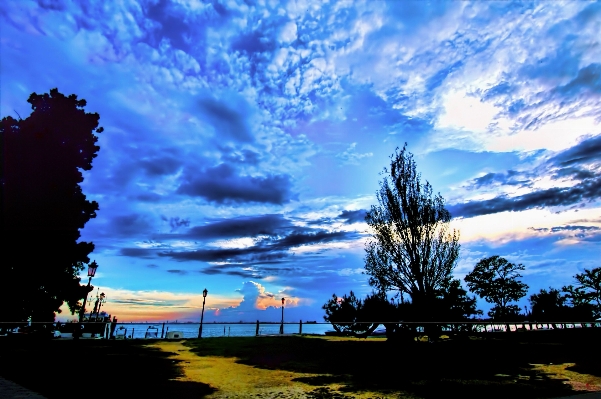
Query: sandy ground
point(234, 380)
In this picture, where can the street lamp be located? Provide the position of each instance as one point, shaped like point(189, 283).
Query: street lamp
point(282, 325)
point(202, 315)
point(91, 273)
point(101, 300)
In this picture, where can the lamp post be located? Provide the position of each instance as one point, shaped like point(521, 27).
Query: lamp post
point(101, 300)
point(202, 315)
point(282, 325)
point(91, 273)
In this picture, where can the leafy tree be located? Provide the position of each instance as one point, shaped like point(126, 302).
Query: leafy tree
point(496, 280)
point(588, 291)
point(548, 305)
point(456, 305)
point(411, 250)
point(351, 315)
point(43, 206)
point(556, 305)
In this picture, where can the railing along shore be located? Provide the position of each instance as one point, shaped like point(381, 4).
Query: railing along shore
point(169, 329)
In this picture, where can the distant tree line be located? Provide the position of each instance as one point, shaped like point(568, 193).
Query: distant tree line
point(412, 254)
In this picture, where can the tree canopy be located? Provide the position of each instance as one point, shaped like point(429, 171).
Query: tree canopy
point(411, 249)
point(587, 292)
point(554, 305)
point(43, 206)
point(352, 315)
point(496, 280)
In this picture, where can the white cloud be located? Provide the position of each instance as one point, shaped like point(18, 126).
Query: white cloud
point(553, 136)
point(463, 112)
point(288, 33)
point(351, 156)
point(503, 227)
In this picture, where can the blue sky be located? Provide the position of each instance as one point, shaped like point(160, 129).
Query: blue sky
point(243, 140)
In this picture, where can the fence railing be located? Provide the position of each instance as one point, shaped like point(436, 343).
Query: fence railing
point(106, 329)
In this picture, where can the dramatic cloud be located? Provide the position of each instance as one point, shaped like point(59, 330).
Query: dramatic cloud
point(586, 152)
point(243, 142)
point(351, 217)
point(250, 226)
point(509, 178)
point(221, 184)
point(587, 190)
point(267, 250)
point(259, 304)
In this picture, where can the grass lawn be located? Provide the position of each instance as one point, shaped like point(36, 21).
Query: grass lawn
point(305, 367)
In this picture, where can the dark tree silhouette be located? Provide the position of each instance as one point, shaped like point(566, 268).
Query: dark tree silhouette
point(456, 304)
point(555, 305)
point(588, 291)
point(354, 316)
point(43, 206)
point(496, 280)
point(411, 250)
point(548, 305)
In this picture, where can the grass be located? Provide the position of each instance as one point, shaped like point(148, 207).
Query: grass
point(307, 367)
point(95, 369)
point(376, 368)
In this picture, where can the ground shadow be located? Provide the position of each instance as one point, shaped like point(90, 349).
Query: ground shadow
point(475, 368)
point(94, 369)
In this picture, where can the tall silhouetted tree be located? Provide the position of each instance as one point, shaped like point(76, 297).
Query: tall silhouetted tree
point(411, 250)
point(43, 206)
point(496, 280)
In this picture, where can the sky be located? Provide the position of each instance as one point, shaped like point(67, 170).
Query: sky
point(244, 140)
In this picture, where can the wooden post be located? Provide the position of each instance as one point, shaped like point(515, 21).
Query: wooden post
point(132, 333)
point(256, 329)
point(300, 328)
point(163, 331)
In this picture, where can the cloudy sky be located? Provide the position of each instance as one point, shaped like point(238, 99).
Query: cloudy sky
point(244, 140)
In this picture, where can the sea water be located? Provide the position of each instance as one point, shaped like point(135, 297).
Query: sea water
point(190, 330)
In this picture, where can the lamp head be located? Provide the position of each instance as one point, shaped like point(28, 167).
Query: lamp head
point(92, 269)
point(204, 293)
point(283, 299)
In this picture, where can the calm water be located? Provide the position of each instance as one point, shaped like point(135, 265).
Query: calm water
point(190, 330)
